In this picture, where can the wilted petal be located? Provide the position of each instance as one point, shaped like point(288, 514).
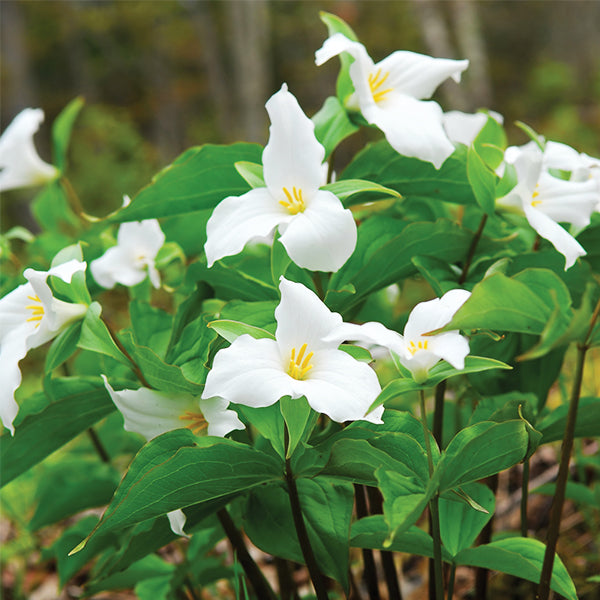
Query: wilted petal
point(293, 157)
point(559, 237)
point(249, 372)
point(19, 162)
point(323, 237)
point(418, 75)
point(238, 219)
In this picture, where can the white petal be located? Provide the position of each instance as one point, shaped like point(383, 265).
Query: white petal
point(561, 156)
point(338, 43)
point(412, 127)
point(141, 238)
point(13, 311)
point(293, 157)
point(451, 346)
point(303, 319)
point(221, 420)
point(12, 349)
point(464, 128)
point(238, 219)
point(19, 162)
point(323, 237)
point(249, 372)
point(560, 238)
point(115, 266)
point(341, 387)
point(177, 522)
point(433, 314)
point(420, 363)
point(368, 334)
point(419, 75)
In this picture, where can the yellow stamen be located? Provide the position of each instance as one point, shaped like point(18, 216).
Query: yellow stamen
point(375, 82)
point(295, 202)
point(535, 194)
point(198, 422)
point(297, 367)
point(37, 310)
point(413, 348)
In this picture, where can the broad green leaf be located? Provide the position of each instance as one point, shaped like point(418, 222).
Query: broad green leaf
point(533, 135)
point(53, 212)
point(346, 188)
point(482, 450)
point(77, 404)
point(587, 422)
point(482, 180)
point(251, 172)
point(62, 347)
point(61, 131)
point(154, 588)
point(231, 330)
point(280, 261)
point(178, 469)
point(268, 420)
point(521, 557)
point(300, 420)
point(440, 275)
point(491, 142)
point(372, 532)
point(257, 314)
point(578, 492)
point(81, 484)
point(327, 512)
point(151, 326)
point(332, 124)
point(460, 524)
point(198, 179)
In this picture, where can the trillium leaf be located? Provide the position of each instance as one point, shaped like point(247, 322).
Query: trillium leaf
point(280, 261)
point(62, 347)
point(268, 421)
point(77, 403)
point(345, 188)
point(178, 469)
point(482, 180)
point(587, 423)
point(332, 124)
point(440, 275)
point(300, 420)
point(231, 330)
point(251, 172)
point(198, 179)
point(61, 131)
point(490, 143)
point(521, 557)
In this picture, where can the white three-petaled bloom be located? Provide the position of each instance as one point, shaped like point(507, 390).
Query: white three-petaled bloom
point(547, 201)
point(151, 413)
point(132, 259)
point(317, 231)
point(416, 350)
point(29, 317)
point(19, 162)
point(464, 127)
point(298, 362)
point(390, 95)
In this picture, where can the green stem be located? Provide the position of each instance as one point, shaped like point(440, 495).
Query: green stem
point(524, 498)
point(481, 574)
point(73, 200)
point(261, 586)
point(98, 446)
point(563, 471)
point(307, 552)
point(451, 582)
point(369, 572)
point(287, 585)
point(472, 248)
point(434, 510)
point(316, 277)
point(438, 415)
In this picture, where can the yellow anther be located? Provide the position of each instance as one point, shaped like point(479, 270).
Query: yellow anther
point(295, 202)
point(375, 82)
point(297, 367)
point(198, 422)
point(37, 310)
point(413, 348)
point(535, 194)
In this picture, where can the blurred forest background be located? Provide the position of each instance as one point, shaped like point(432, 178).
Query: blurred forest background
point(159, 76)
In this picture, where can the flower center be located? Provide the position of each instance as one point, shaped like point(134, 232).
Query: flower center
point(294, 202)
point(299, 364)
point(413, 348)
point(36, 309)
point(376, 80)
point(197, 421)
point(535, 194)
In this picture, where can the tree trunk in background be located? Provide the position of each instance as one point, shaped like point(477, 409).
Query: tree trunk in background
point(249, 26)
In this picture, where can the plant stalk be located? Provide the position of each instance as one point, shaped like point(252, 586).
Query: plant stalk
point(287, 585)
point(481, 574)
point(98, 446)
point(434, 510)
point(524, 498)
point(307, 552)
point(369, 572)
point(438, 415)
point(261, 586)
point(472, 248)
point(451, 582)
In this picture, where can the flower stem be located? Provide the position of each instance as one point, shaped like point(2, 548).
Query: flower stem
point(369, 572)
point(472, 248)
point(98, 446)
point(434, 510)
point(287, 585)
point(73, 200)
point(254, 574)
point(438, 414)
point(451, 582)
point(524, 498)
point(307, 552)
point(563, 472)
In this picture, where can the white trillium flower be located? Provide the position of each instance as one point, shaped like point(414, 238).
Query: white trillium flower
point(390, 95)
point(29, 317)
point(132, 259)
point(464, 127)
point(416, 350)
point(151, 413)
point(317, 231)
point(547, 201)
point(298, 362)
point(20, 165)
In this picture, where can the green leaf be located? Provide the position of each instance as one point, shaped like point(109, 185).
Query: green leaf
point(482, 180)
point(440, 275)
point(231, 330)
point(198, 179)
point(491, 142)
point(151, 326)
point(332, 124)
point(587, 422)
point(460, 524)
point(52, 211)
point(300, 420)
point(482, 450)
point(268, 420)
point(178, 469)
point(251, 172)
point(280, 261)
point(61, 131)
point(76, 404)
point(578, 492)
point(533, 135)
point(63, 347)
point(327, 512)
point(345, 188)
point(521, 557)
